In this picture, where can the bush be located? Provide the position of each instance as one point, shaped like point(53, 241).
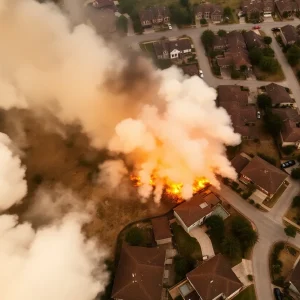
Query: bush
point(288, 149)
point(255, 56)
point(267, 158)
point(135, 237)
point(231, 247)
point(221, 33)
point(268, 52)
point(292, 250)
point(269, 64)
point(203, 21)
point(296, 173)
point(267, 40)
point(290, 231)
point(296, 201)
point(216, 228)
point(263, 101)
point(251, 201)
point(250, 277)
point(182, 266)
point(257, 205)
point(207, 39)
point(277, 267)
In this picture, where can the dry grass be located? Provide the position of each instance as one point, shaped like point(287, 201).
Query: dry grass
point(72, 163)
point(271, 203)
point(263, 76)
point(288, 261)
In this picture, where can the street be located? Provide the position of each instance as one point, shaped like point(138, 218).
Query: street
point(269, 225)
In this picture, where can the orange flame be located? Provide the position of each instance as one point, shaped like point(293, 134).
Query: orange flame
point(171, 188)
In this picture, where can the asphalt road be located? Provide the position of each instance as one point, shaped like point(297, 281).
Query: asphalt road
point(269, 225)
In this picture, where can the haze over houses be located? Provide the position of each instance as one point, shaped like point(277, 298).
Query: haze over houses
point(154, 16)
point(210, 12)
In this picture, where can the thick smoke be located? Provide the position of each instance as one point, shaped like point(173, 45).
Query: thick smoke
point(55, 262)
point(13, 186)
point(166, 124)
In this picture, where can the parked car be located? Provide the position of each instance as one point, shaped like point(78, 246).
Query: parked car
point(170, 26)
point(288, 164)
point(275, 29)
point(278, 294)
point(256, 27)
point(258, 115)
point(201, 73)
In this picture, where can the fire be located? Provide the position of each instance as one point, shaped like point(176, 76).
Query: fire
point(171, 188)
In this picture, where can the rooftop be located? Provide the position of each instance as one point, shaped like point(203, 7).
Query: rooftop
point(161, 228)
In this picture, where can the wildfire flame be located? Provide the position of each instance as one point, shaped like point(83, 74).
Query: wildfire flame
point(171, 188)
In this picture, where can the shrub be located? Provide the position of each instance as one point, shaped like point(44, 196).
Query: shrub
point(290, 231)
point(267, 40)
point(250, 277)
point(279, 281)
point(296, 173)
point(257, 205)
point(216, 228)
point(135, 237)
point(182, 266)
point(288, 149)
point(203, 21)
point(277, 267)
point(292, 250)
point(269, 159)
point(296, 201)
point(251, 201)
point(263, 101)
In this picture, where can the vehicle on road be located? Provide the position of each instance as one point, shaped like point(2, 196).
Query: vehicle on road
point(275, 29)
point(201, 73)
point(256, 27)
point(170, 26)
point(277, 294)
point(258, 115)
point(288, 164)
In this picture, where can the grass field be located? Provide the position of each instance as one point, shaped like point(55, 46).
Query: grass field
point(246, 294)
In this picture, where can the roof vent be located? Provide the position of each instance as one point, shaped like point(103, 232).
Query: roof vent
point(211, 281)
point(203, 205)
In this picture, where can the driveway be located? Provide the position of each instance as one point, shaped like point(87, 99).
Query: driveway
point(204, 240)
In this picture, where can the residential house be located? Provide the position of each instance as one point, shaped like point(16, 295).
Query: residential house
point(279, 95)
point(285, 7)
point(220, 42)
point(252, 39)
point(266, 177)
point(257, 7)
point(243, 116)
point(239, 162)
point(294, 279)
point(194, 212)
point(154, 16)
point(139, 274)
point(191, 70)
point(161, 230)
point(289, 35)
point(161, 49)
point(210, 12)
point(213, 279)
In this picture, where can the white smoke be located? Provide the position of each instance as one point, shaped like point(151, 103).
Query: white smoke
point(55, 262)
point(13, 186)
point(166, 124)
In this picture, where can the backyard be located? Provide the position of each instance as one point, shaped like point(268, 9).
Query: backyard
point(246, 294)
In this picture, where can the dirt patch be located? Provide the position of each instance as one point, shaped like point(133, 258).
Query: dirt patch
point(263, 76)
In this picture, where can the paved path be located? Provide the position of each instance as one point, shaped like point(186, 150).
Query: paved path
point(270, 229)
point(204, 240)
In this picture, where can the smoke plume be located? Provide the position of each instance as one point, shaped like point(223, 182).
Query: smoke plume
point(13, 186)
point(55, 262)
point(167, 126)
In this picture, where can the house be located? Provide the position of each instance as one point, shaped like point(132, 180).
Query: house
point(210, 12)
point(139, 274)
point(161, 49)
point(178, 48)
point(191, 70)
point(290, 134)
point(252, 8)
point(214, 279)
point(219, 42)
point(252, 39)
point(239, 162)
point(161, 230)
point(279, 95)
point(243, 116)
point(294, 279)
point(287, 7)
point(266, 177)
point(289, 34)
point(194, 212)
point(154, 16)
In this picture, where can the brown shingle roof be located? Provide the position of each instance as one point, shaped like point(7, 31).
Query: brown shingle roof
point(278, 94)
point(180, 44)
point(214, 277)
point(139, 274)
point(285, 6)
point(290, 132)
point(190, 211)
point(190, 69)
point(153, 13)
point(209, 7)
point(161, 228)
point(294, 278)
point(290, 33)
point(239, 162)
point(287, 114)
point(252, 39)
point(264, 174)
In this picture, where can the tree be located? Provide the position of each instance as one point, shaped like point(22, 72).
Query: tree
point(255, 16)
point(183, 265)
point(231, 247)
point(285, 14)
point(296, 201)
point(243, 68)
point(122, 24)
point(180, 15)
point(263, 101)
point(227, 13)
point(272, 122)
point(268, 52)
point(235, 74)
point(216, 228)
point(255, 55)
point(203, 21)
point(296, 173)
point(135, 237)
point(293, 55)
point(267, 40)
point(277, 266)
point(207, 38)
point(290, 231)
point(269, 64)
point(184, 3)
point(222, 32)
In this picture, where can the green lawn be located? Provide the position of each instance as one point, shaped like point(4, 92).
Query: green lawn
point(187, 246)
point(247, 294)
